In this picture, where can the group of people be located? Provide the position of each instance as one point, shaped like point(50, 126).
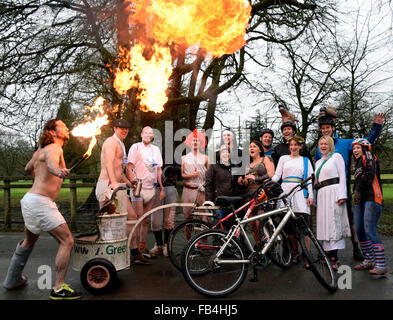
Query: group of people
point(288, 163)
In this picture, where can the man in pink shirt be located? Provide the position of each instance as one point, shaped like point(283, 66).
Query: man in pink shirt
point(144, 163)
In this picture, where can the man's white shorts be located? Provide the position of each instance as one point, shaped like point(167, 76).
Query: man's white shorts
point(40, 213)
point(103, 190)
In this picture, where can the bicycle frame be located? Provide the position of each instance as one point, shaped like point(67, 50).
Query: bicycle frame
point(239, 227)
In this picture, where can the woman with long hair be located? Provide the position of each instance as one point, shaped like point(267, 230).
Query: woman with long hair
point(260, 169)
point(368, 208)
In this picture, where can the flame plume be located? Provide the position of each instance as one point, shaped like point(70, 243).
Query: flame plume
point(92, 128)
point(218, 27)
point(150, 76)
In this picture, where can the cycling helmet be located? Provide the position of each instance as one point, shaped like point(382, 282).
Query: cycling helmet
point(290, 124)
point(326, 120)
point(363, 142)
point(266, 130)
point(327, 115)
point(272, 189)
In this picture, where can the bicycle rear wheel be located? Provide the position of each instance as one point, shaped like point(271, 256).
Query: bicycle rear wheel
point(280, 251)
point(179, 237)
point(318, 260)
point(206, 276)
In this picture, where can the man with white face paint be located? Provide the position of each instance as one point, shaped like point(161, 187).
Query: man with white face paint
point(144, 163)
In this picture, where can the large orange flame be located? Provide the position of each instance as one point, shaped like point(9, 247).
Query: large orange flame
point(218, 27)
point(92, 128)
point(150, 76)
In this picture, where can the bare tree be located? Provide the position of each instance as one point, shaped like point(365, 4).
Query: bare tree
point(366, 67)
point(56, 50)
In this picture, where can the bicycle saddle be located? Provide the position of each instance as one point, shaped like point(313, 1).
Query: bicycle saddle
point(229, 200)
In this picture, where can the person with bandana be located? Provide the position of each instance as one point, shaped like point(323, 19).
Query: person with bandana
point(194, 166)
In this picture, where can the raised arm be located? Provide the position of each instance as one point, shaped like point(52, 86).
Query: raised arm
point(376, 128)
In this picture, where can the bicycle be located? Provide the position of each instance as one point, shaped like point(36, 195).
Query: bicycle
point(280, 253)
point(215, 263)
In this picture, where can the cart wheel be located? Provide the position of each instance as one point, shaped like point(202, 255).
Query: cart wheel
point(98, 275)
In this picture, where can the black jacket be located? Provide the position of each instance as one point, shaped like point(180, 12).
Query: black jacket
point(367, 186)
point(221, 182)
point(282, 149)
point(236, 160)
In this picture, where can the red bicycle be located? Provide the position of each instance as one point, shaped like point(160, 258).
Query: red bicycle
point(280, 252)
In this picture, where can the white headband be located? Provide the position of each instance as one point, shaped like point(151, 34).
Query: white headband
point(227, 131)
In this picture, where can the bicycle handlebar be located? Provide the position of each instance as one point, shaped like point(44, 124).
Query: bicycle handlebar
point(301, 185)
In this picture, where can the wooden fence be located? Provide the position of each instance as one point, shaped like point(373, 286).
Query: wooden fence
point(7, 185)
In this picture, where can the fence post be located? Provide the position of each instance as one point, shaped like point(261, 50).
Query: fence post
point(73, 203)
point(7, 204)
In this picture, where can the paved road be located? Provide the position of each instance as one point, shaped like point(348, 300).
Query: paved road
point(162, 281)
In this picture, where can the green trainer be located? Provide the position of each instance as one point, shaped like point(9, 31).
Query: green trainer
point(65, 293)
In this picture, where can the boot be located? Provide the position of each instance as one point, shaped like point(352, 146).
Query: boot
point(14, 278)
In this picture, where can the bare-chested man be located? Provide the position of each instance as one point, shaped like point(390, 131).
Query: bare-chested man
point(40, 212)
point(113, 163)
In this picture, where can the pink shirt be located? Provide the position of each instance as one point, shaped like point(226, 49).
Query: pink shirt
point(146, 160)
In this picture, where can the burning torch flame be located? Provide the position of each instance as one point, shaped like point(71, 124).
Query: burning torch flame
point(91, 128)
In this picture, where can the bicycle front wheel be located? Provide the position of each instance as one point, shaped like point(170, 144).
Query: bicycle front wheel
point(280, 251)
point(179, 237)
point(318, 260)
point(208, 277)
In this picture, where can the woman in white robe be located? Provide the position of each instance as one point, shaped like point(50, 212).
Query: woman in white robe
point(332, 218)
point(291, 170)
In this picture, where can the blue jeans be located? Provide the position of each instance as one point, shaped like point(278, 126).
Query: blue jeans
point(366, 216)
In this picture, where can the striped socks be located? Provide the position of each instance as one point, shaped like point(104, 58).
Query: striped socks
point(379, 253)
point(367, 250)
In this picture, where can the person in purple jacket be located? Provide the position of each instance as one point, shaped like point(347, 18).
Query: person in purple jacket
point(327, 122)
